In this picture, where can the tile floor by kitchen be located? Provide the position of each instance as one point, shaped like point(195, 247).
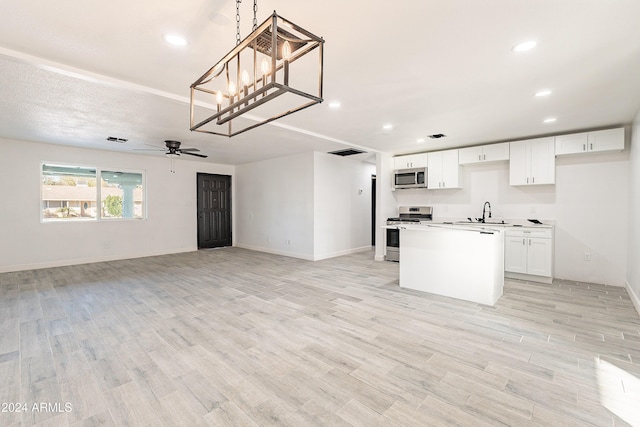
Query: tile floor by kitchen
point(235, 337)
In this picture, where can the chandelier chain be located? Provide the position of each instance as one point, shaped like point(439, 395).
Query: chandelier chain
point(238, 21)
point(255, 12)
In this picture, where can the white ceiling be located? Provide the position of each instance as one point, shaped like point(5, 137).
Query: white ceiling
point(76, 72)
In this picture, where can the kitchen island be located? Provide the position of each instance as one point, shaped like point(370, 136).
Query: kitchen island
point(458, 261)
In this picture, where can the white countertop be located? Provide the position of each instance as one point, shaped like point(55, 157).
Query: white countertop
point(428, 225)
point(493, 222)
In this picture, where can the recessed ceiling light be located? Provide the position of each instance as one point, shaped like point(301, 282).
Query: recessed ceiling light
point(549, 120)
point(420, 140)
point(544, 92)
point(175, 40)
point(387, 126)
point(524, 46)
point(334, 104)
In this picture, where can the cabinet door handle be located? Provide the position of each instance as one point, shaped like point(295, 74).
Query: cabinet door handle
point(533, 180)
point(479, 158)
point(523, 241)
point(529, 242)
point(527, 180)
point(484, 157)
point(591, 146)
point(584, 147)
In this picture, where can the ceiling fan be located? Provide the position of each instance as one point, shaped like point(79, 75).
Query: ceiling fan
point(173, 149)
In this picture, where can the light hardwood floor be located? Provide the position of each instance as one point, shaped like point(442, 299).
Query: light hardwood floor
point(235, 337)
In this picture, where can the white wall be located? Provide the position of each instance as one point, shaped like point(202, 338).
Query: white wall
point(633, 273)
point(274, 205)
point(26, 242)
point(306, 206)
point(342, 205)
point(588, 204)
point(386, 205)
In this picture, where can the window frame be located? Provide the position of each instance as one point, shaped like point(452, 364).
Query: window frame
point(98, 200)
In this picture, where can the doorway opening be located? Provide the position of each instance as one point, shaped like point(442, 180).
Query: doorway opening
point(373, 210)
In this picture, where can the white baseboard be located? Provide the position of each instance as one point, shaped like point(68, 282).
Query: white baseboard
point(528, 277)
point(634, 297)
point(341, 253)
point(89, 260)
point(275, 251)
point(303, 256)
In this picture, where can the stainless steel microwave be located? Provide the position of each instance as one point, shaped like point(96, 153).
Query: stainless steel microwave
point(410, 178)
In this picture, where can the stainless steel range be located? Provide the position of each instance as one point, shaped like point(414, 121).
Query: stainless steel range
point(406, 215)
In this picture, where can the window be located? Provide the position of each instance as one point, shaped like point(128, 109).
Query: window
point(121, 194)
point(71, 193)
point(65, 189)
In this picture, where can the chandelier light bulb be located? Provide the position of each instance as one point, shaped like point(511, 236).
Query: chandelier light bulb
point(265, 67)
point(219, 97)
point(232, 89)
point(286, 51)
point(245, 77)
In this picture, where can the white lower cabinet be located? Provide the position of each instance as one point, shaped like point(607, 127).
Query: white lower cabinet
point(529, 252)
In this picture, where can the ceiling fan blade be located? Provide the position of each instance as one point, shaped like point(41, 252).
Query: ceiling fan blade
point(155, 148)
point(194, 154)
point(189, 149)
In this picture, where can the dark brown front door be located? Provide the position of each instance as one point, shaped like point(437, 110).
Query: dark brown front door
point(214, 210)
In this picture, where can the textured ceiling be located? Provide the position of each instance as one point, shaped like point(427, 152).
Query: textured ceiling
point(76, 72)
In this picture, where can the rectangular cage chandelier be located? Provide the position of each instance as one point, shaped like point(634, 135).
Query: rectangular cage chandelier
point(267, 76)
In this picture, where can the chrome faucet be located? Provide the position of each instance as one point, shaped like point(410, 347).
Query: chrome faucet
point(484, 210)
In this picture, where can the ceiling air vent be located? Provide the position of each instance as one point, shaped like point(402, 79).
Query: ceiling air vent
point(346, 152)
point(114, 139)
point(437, 135)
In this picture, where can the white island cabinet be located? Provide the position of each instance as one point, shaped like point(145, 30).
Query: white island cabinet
point(454, 261)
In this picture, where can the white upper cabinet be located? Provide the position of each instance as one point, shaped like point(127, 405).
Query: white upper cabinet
point(532, 162)
point(571, 144)
point(410, 161)
point(443, 170)
point(484, 153)
point(590, 142)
